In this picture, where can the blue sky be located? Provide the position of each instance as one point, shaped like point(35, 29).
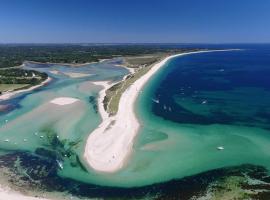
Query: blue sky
point(113, 21)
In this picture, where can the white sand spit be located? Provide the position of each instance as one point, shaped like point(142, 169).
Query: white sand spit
point(109, 145)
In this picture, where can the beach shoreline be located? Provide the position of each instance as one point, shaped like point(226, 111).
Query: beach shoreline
point(8, 193)
point(109, 146)
point(106, 85)
point(8, 95)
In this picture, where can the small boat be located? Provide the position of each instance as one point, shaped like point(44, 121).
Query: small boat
point(6, 140)
point(164, 107)
point(155, 100)
point(220, 148)
point(25, 140)
point(204, 102)
point(41, 136)
point(60, 164)
point(36, 133)
point(170, 109)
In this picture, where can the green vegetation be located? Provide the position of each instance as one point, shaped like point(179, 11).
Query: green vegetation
point(240, 183)
point(15, 55)
point(59, 149)
point(12, 87)
point(113, 94)
point(142, 65)
point(230, 188)
point(14, 79)
point(143, 60)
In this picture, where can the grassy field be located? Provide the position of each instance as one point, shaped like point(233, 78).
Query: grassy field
point(142, 65)
point(16, 78)
point(143, 60)
point(12, 87)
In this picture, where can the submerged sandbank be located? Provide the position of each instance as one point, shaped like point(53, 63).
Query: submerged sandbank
point(111, 143)
point(63, 101)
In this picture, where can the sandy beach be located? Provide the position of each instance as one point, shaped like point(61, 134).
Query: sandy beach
point(109, 145)
point(8, 95)
point(106, 85)
point(8, 194)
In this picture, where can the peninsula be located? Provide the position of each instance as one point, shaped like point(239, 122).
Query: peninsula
point(109, 146)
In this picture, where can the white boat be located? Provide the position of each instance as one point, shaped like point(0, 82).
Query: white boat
point(164, 107)
point(6, 140)
point(155, 100)
point(60, 164)
point(220, 148)
point(204, 102)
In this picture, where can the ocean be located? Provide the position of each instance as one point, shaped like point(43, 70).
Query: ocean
point(193, 105)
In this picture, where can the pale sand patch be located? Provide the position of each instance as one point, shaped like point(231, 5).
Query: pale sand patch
point(8, 194)
point(8, 95)
point(63, 101)
point(76, 75)
point(86, 87)
point(111, 143)
point(54, 72)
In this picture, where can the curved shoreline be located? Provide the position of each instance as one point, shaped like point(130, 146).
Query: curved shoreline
point(110, 144)
point(8, 95)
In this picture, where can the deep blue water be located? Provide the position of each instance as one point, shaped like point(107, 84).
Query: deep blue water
point(219, 87)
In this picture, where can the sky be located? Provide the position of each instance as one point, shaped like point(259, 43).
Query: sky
point(134, 21)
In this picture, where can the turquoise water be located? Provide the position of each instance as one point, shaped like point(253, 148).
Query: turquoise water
point(205, 101)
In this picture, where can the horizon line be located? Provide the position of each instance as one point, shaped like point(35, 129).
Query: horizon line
point(130, 43)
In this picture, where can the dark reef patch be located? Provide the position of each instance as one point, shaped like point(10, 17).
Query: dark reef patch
point(93, 101)
point(39, 173)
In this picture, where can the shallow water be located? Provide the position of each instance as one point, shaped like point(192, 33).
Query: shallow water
point(204, 101)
